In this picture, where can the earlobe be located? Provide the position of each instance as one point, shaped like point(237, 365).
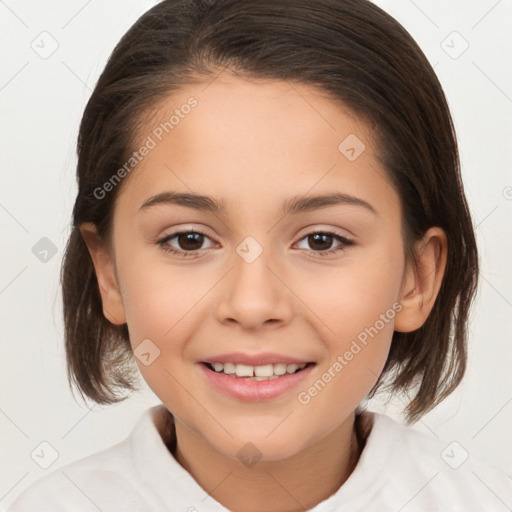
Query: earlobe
point(104, 266)
point(422, 281)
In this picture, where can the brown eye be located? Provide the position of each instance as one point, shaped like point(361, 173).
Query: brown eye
point(320, 243)
point(190, 241)
point(184, 243)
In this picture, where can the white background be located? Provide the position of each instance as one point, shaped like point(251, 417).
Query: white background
point(42, 101)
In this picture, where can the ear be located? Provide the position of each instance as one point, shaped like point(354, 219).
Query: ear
point(104, 265)
point(422, 281)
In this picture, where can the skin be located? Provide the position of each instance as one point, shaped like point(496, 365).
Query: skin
point(254, 144)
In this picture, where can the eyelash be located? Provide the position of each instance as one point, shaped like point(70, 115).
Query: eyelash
point(163, 243)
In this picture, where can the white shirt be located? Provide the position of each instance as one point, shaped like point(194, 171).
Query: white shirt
point(400, 469)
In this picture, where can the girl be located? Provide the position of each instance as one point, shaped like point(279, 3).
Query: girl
point(270, 224)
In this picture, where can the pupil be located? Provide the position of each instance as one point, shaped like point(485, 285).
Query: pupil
point(317, 236)
point(189, 242)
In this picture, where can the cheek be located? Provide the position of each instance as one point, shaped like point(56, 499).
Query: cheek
point(156, 296)
point(355, 307)
point(357, 345)
point(353, 296)
point(342, 383)
point(161, 306)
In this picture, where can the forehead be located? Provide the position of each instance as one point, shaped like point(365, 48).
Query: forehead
point(251, 143)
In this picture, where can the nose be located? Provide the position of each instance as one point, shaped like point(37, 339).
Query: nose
point(254, 294)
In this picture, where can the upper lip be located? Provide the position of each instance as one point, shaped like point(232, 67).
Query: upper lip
point(259, 359)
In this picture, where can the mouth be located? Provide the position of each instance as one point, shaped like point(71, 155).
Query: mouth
point(253, 377)
point(256, 373)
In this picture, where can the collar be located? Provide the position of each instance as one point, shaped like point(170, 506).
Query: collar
point(176, 489)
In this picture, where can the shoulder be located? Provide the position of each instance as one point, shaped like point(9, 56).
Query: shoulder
point(428, 473)
point(106, 480)
point(78, 483)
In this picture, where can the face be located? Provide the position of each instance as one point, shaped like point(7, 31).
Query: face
point(253, 283)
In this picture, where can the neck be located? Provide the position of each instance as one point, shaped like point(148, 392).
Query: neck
point(294, 484)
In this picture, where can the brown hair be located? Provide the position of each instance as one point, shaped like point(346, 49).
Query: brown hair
point(360, 56)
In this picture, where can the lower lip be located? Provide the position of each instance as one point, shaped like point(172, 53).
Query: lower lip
point(255, 390)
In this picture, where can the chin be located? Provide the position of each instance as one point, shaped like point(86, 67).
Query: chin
point(259, 448)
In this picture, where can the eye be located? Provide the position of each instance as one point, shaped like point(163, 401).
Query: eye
point(189, 243)
point(322, 240)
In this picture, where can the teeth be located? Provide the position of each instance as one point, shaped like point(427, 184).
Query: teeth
point(228, 368)
point(291, 368)
point(265, 372)
point(242, 370)
point(279, 369)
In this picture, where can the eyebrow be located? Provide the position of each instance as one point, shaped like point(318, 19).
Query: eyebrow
point(292, 206)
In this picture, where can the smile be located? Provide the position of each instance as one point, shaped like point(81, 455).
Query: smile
point(257, 373)
point(255, 383)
